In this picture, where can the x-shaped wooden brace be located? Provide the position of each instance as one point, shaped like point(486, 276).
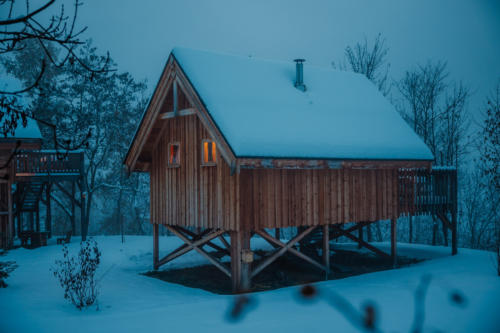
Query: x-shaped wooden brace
point(195, 244)
point(347, 233)
point(282, 248)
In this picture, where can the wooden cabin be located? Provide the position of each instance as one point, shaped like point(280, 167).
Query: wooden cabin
point(28, 176)
point(238, 146)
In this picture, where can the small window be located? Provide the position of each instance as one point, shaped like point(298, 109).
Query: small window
point(173, 154)
point(209, 153)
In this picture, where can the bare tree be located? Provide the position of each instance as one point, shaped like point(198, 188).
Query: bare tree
point(368, 60)
point(58, 40)
point(452, 128)
point(421, 89)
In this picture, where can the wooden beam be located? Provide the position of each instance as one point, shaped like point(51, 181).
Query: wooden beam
point(326, 249)
point(10, 225)
point(180, 113)
point(176, 97)
point(454, 238)
point(155, 247)
point(284, 248)
point(394, 242)
point(314, 163)
point(197, 247)
point(196, 237)
point(71, 195)
point(48, 208)
point(236, 244)
point(370, 247)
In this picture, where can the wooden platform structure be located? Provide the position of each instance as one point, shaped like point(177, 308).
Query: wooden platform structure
point(28, 177)
point(202, 190)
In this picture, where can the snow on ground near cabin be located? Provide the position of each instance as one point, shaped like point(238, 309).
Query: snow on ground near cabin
point(131, 302)
point(342, 115)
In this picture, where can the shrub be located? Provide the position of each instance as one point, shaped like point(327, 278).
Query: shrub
point(76, 274)
point(6, 267)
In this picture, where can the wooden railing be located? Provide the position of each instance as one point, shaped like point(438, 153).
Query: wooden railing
point(42, 163)
point(423, 192)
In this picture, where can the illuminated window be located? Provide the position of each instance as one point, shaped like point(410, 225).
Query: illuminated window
point(173, 154)
point(209, 153)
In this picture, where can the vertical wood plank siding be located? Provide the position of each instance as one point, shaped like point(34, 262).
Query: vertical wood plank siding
point(191, 194)
point(275, 198)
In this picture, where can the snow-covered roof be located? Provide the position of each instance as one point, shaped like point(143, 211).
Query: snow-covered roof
point(31, 131)
point(342, 115)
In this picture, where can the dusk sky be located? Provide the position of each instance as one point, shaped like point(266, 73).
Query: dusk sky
point(141, 34)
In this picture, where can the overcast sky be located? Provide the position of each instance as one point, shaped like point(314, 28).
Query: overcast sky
point(140, 33)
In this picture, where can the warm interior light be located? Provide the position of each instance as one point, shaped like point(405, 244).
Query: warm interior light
point(209, 152)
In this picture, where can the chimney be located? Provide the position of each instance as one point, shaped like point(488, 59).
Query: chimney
point(299, 74)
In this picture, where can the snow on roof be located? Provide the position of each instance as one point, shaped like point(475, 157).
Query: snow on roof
point(342, 115)
point(31, 131)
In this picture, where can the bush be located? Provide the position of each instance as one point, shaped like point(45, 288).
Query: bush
point(6, 267)
point(76, 274)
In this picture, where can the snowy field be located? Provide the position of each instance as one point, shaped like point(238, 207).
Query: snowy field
point(130, 302)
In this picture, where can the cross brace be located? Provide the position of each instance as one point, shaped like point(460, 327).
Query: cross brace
point(282, 248)
point(196, 242)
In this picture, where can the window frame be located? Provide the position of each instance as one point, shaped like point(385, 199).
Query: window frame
point(212, 163)
point(178, 164)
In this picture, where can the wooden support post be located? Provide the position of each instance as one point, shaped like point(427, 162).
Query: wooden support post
point(73, 226)
point(10, 222)
point(156, 250)
point(454, 221)
point(394, 242)
point(32, 222)
point(360, 235)
point(37, 214)
point(277, 233)
point(48, 214)
point(410, 230)
point(19, 222)
point(83, 217)
point(326, 250)
point(241, 261)
point(454, 247)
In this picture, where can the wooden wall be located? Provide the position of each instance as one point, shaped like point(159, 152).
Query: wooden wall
point(274, 198)
point(192, 194)
point(209, 197)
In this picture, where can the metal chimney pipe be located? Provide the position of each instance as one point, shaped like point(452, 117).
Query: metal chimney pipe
point(299, 74)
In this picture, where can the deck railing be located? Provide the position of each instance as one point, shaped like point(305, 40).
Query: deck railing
point(423, 192)
point(42, 163)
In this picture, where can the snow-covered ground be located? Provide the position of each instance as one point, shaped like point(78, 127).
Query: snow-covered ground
point(131, 302)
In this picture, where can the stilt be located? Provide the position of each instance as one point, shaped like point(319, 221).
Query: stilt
point(32, 221)
point(156, 244)
point(394, 242)
point(48, 214)
point(241, 259)
point(277, 233)
point(410, 234)
point(10, 222)
point(37, 215)
point(326, 250)
point(454, 247)
point(360, 235)
point(73, 227)
point(83, 217)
